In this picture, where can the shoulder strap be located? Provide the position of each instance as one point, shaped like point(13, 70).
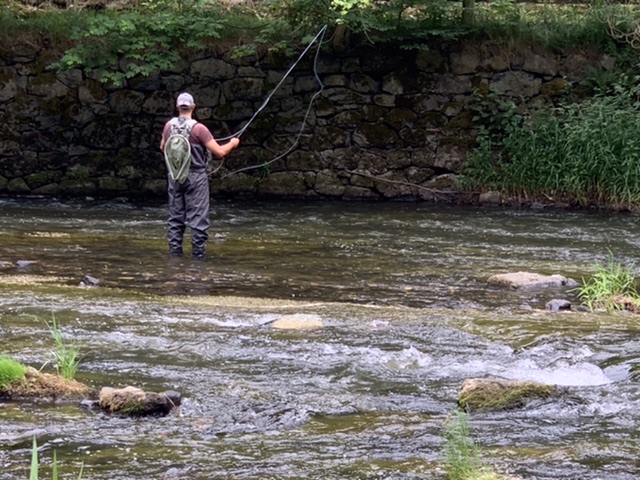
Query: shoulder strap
point(182, 126)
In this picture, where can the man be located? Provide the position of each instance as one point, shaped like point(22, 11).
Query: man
point(189, 201)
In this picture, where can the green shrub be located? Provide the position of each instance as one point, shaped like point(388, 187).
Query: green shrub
point(560, 152)
point(10, 371)
point(126, 40)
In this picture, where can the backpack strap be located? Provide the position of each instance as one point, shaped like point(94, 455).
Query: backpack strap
point(182, 126)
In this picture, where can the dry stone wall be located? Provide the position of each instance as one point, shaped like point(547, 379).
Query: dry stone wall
point(388, 124)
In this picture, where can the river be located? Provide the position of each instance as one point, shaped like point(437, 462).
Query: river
point(408, 315)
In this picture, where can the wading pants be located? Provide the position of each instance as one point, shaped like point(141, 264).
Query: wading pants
point(189, 206)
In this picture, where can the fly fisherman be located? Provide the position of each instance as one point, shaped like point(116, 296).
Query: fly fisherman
point(188, 178)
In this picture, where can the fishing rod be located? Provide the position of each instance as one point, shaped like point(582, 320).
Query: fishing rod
point(318, 38)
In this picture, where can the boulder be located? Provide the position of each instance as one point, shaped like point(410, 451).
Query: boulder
point(530, 280)
point(557, 305)
point(135, 402)
point(297, 322)
point(498, 394)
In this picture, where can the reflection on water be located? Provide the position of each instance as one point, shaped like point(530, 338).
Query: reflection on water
point(402, 291)
point(407, 254)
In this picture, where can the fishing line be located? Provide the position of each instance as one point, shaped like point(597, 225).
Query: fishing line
point(319, 37)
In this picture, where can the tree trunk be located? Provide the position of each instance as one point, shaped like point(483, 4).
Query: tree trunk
point(467, 12)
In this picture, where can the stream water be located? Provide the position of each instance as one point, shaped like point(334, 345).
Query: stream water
point(408, 315)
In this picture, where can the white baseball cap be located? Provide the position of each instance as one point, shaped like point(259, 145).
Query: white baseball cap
point(185, 100)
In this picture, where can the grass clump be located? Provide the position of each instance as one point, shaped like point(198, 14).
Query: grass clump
point(612, 287)
point(559, 153)
point(34, 471)
point(11, 371)
point(66, 354)
point(462, 460)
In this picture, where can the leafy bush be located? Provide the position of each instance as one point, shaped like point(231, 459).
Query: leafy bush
point(140, 41)
point(126, 40)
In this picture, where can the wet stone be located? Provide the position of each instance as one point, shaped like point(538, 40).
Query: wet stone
point(529, 280)
point(557, 305)
point(25, 263)
point(89, 281)
point(135, 402)
point(298, 322)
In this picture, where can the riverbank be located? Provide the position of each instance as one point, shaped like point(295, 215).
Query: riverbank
point(351, 122)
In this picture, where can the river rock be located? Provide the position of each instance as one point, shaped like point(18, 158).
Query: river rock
point(298, 321)
point(498, 394)
point(135, 402)
point(557, 305)
point(89, 281)
point(25, 263)
point(530, 280)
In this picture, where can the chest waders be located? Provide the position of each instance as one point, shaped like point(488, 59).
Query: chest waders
point(189, 206)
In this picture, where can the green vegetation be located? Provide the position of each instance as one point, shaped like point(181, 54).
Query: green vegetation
point(612, 287)
point(556, 152)
point(461, 453)
point(561, 153)
point(34, 475)
point(153, 35)
point(10, 371)
point(66, 355)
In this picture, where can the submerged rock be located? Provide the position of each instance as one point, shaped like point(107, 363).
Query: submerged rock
point(25, 263)
point(298, 322)
point(557, 305)
point(89, 281)
point(136, 402)
point(498, 394)
point(530, 280)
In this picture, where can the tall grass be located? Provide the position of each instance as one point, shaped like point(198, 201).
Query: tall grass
point(554, 26)
point(462, 461)
point(583, 153)
point(34, 471)
point(66, 354)
point(10, 371)
point(611, 285)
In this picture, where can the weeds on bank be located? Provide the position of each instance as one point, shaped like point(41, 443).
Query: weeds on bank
point(66, 354)
point(462, 460)
point(561, 152)
point(153, 34)
point(34, 475)
point(612, 287)
point(10, 371)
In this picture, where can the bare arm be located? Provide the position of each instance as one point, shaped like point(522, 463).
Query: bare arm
point(222, 150)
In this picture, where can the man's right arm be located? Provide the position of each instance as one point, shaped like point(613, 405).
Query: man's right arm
point(222, 150)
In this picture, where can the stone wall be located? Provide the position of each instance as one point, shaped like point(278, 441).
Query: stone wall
point(389, 123)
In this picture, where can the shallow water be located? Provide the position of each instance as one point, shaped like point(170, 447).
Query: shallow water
point(408, 314)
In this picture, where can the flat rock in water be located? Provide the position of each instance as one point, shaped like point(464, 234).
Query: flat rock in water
point(298, 322)
point(497, 394)
point(132, 401)
point(529, 280)
point(557, 305)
